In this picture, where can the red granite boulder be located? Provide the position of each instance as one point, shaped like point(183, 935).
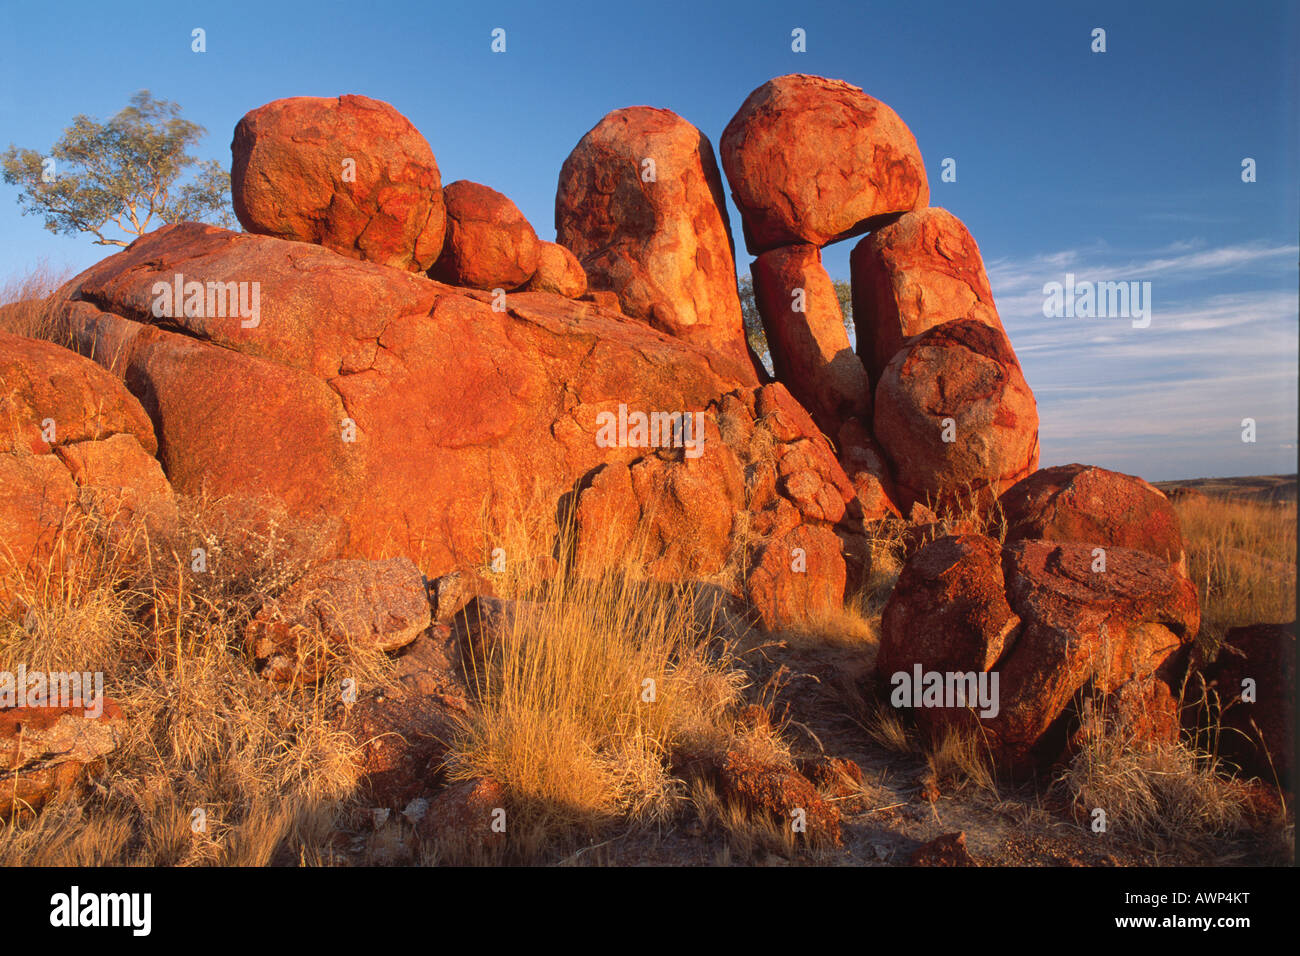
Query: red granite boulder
point(913, 274)
point(72, 440)
point(955, 416)
point(1092, 505)
point(1253, 683)
point(806, 335)
point(489, 244)
point(1022, 653)
point(812, 160)
point(348, 173)
point(949, 609)
point(403, 734)
point(558, 272)
point(640, 203)
point(371, 604)
point(48, 751)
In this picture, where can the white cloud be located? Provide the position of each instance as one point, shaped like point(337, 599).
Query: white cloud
point(1186, 258)
point(1165, 401)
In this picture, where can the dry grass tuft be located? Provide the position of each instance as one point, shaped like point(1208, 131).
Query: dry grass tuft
point(1159, 797)
point(886, 727)
point(751, 839)
point(960, 758)
point(22, 301)
point(594, 688)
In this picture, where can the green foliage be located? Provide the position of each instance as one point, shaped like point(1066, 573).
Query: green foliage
point(844, 292)
point(754, 333)
point(125, 173)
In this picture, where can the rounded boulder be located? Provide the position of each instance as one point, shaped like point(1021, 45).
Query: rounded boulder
point(1091, 505)
point(348, 173)
point(490, 245)
point(954, 415)
point(815, 160)
point(640, 203)
point(911, 275)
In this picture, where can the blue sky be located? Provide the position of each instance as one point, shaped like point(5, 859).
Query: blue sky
point(1123, 165)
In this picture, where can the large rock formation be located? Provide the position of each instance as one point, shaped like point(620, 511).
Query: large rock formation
point(489, 244)
point(640, 203)
point(1062, 638)
point(805, 332)
point(771, 488)
point(422, 414)
point(408, 412)
point(913, 274)
point(815, 160)
point(349, 173)
point(394, 404)
point(955, 416)
point(812, 161)
point(72, 439)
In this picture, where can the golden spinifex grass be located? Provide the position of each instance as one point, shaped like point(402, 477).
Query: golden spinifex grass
point(265, 767)
point(582, 706)
point(22, 301)
point(586, 699)
point(1241, 555)
point(598, 685)
point(1159, 797)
